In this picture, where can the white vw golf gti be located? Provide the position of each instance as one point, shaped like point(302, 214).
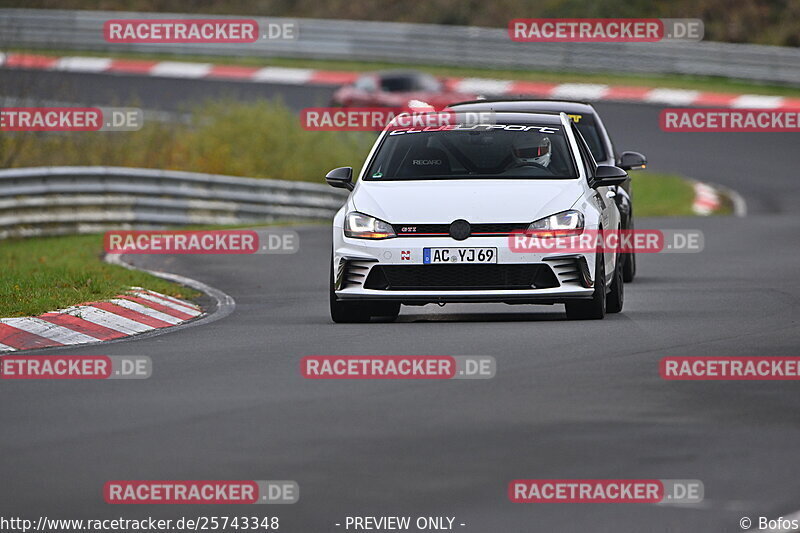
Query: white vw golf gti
point(428, 219)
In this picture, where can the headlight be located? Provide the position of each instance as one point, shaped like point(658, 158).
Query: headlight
point(361, 226)
point(564, 224)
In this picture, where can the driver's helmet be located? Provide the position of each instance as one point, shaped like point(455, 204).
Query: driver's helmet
point(532, 148)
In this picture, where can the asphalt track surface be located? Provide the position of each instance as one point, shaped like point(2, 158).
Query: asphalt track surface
point(570, 399)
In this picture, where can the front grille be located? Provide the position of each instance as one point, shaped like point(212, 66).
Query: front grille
point(460, 277)
point(478, 230)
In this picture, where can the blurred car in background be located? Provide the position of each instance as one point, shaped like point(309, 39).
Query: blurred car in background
point(396, 89)
point(595, 134)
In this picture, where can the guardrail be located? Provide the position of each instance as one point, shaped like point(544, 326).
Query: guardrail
point(418, 43)
point(63, 200)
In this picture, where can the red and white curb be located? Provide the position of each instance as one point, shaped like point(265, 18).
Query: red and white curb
point(485, 86)
point(706, 199)
point(138, 311)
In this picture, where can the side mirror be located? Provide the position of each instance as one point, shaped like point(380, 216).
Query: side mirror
point(608, 175)
point(632, 160)
point(341, 178)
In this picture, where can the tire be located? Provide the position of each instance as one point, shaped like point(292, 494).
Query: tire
point(594, 309)
point(616, 297)
point(385, 310)
point(629, 262)
point(348, 312)
point(628, 267)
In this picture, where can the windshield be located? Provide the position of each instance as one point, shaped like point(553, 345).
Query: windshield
point(588, 128)
point(482, 151)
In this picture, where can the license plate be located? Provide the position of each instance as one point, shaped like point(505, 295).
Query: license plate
point(434, 256)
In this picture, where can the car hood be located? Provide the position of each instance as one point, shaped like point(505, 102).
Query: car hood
point(476, 201)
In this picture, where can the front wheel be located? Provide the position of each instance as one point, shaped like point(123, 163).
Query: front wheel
point(386, 310)
point(594, 309)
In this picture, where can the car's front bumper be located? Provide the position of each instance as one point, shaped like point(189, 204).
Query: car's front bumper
point(359, 273)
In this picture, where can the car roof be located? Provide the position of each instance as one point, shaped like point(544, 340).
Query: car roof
point(567, 106)
point(504, 117)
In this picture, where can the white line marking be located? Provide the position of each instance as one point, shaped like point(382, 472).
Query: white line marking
point(178, 69)
point(580, 91)
point(294, 76)
point(671, 96)
point(83, 64)
point(48, 330)
point(484, 86)
point(757, 101)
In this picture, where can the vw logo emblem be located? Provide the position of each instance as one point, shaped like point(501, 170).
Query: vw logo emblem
point(460, 230)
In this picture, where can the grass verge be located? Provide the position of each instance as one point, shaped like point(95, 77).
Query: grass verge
point(699, 83)
point(261, 140)
point(49, 273)
point(656, 194)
